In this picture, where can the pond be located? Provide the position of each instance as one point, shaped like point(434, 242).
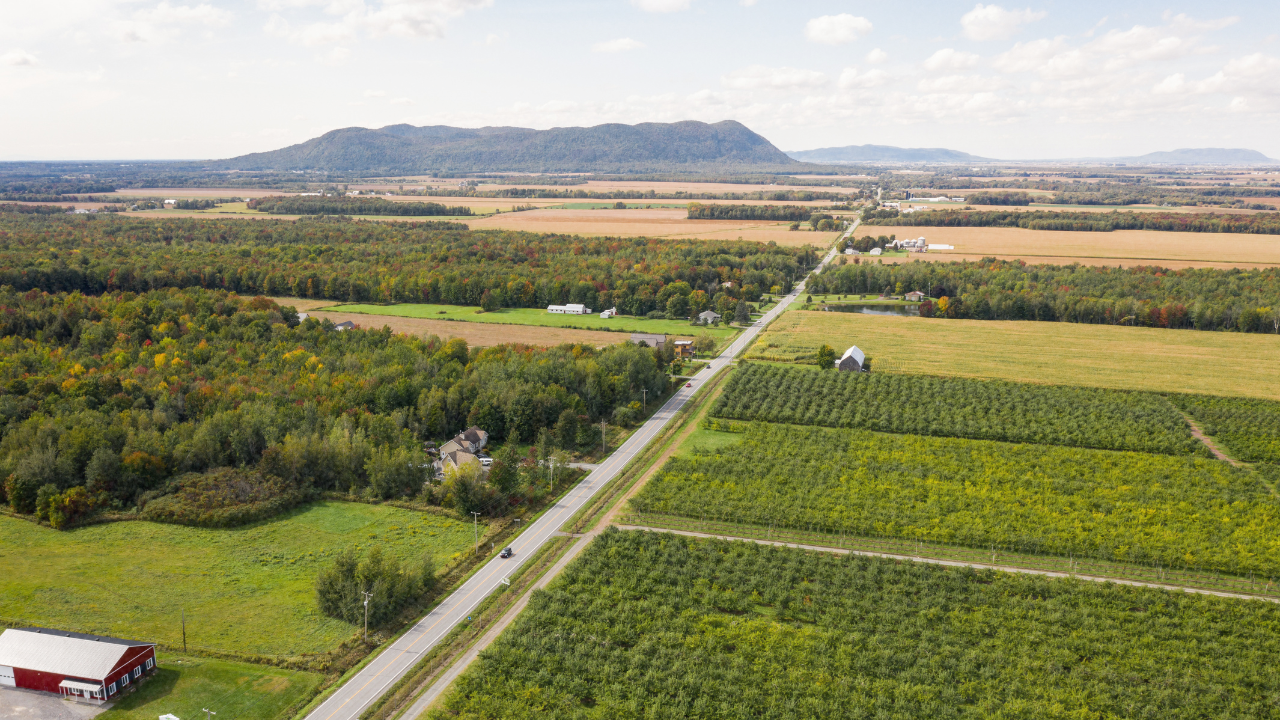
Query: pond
point(875, 309)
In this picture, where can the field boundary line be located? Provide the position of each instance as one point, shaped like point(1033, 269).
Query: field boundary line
point(954, 563)
point(1208, 442)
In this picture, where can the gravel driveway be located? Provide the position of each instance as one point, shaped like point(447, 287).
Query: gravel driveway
point(31, 705)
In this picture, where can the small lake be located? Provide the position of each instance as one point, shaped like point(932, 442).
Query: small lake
point(875, 309)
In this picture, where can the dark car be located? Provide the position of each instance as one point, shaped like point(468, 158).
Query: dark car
point(506, 553)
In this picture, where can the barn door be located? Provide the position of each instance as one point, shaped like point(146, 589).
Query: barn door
point(6, 677)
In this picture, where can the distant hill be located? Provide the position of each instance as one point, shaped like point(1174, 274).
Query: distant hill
point(883, 153)
point(1203, 156)
point(647, 147)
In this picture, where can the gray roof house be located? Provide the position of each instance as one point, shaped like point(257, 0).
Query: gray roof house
point(649, 340)
point(852, 360)
point(707, 317)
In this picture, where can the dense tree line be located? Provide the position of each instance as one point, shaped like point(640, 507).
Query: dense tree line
point(1199, 298)
point(33, 209)
point(108, 401)
point(1007, 197)
point(1116, 506)
point(958, 407)
point(555, 194)
point(653, 625)
point(342, 205)
point(778, 213)
point(1259, 223)
point(385, 262)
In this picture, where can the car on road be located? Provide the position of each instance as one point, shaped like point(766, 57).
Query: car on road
point(688, 384)
point(506, 553)
point(486, 461)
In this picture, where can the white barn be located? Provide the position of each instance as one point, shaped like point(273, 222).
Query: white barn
point(571, 309)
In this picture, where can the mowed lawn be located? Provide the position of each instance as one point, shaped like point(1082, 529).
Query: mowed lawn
point(1129, 358)
point(537, 317)
point(247, 590)
point(184, 686)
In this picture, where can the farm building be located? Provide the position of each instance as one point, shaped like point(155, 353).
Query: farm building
point(852, 360)
point(684, 348)
point(571, 309)
point(346, 325)
point(649, 340)
point(915, 296)
point(88, 668)
point(875, 251)
point(706, 317)
point(611, 312)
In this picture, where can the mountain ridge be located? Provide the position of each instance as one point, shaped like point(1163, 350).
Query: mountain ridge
point(613, 147)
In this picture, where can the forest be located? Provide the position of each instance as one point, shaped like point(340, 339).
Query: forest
point(109, 402)
point(362, 261)
point(998, 198)
point(1243, 300)
point(958, 407)
point(1258, 223)
point(779, 213)
point(1116, 506)
point(652, 625)
point(342, 205)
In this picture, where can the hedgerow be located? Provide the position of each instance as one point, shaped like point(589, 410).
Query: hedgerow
point(1248, 428)
point(1116, 506)
point(649, 625)
point(958, 407)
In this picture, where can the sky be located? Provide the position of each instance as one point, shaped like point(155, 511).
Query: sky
point(194, 79)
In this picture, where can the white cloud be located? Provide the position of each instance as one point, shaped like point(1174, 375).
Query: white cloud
point(18, 58)
point(375, 93)
point(850, 78)
point(494, 39)
point(164, 21)
point(1175, 83)
point(877, 56)
point(402, 101)
point(661, 6)
point(747, 3)
point(618, 45)
point(784, 78)
point(398, 18)
point(950, 59)
point(337, 56)
point(992, 22)
point(836, 29)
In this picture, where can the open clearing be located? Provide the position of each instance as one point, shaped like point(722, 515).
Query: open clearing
point(1126, 358)
point(650, 223)
point(1094, 248)
point(536, 317)
point(184, 686)
point(247, 590)
point(477, 334)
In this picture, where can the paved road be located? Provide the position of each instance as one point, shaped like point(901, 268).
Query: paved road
point(375, 678)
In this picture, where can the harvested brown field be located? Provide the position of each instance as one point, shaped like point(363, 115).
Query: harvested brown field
point(1067, 260)
point(1133, 246)
point(646, 186)
point(477, 334)
point(1109, 356)
point(649, 223)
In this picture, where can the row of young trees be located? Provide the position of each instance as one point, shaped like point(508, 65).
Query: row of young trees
point(342, 205)
point(382, 262)
point(114, 397)
point(958, 407)
point(1200, 298)
point(1249, 428)
point(1129, 507)
point(777, 213)
point(1258, 223)
point(653, 625)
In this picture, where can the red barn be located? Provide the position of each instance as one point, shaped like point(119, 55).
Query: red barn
point(91, 668)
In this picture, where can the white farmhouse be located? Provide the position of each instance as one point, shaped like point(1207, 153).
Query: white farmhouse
point(571, 309)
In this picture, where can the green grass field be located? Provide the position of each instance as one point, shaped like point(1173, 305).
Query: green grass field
point(184, 686)
point(538, 317)
point(247, 590)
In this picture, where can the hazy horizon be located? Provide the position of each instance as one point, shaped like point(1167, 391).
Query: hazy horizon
point(147, 80)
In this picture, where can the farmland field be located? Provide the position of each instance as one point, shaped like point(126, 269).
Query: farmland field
point(1125, 358)
point(476, 334)
point(648, 625)
point(1115, 506)
point(1249, 429)
point(536, 317)
point(184, 686)
point(958, 407)
point(247, 590)
point(1135, 247)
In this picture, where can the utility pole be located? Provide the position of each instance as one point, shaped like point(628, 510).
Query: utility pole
point(208, 714)
point(475, 529)
point(604, 444)
point(184, 630)
point(644, 399)
point(367, 595)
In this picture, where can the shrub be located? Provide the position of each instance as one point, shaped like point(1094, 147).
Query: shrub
point(340, 587)
point(225, 497)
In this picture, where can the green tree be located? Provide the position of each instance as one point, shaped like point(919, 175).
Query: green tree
point(704, 344)
point(742, 313)
point(489, 301)
point(826, 358)
point(567, 430)
point(677, 307)
point(504, 473)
